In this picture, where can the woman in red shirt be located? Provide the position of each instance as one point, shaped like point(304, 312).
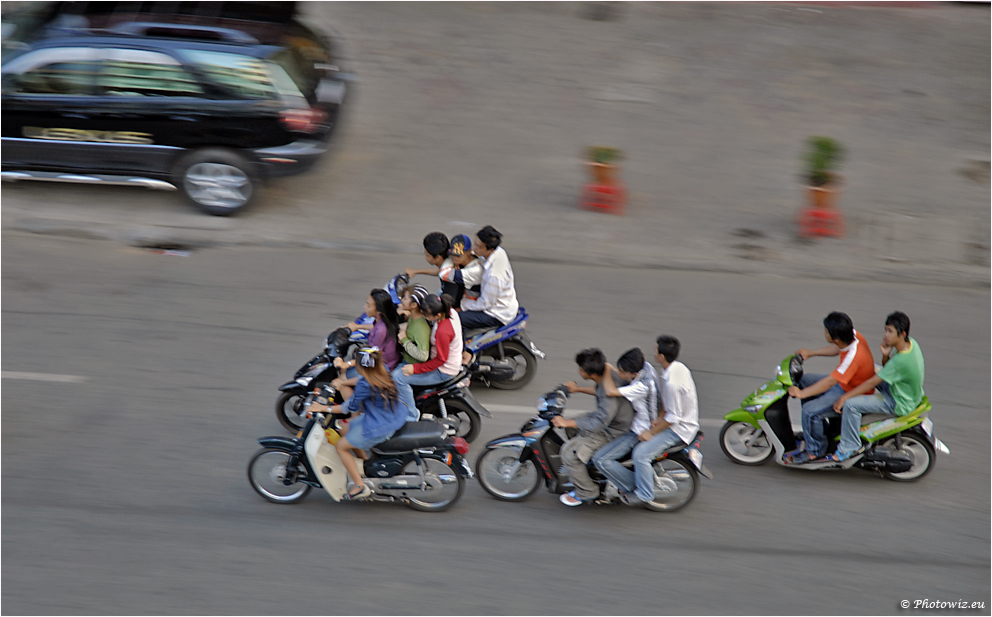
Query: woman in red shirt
point(445, 360)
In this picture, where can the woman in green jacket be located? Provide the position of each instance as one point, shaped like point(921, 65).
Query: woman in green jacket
point(415, 341)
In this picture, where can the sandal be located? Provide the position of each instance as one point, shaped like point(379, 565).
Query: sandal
point(837, 457)
point(789, 456)
point(362, 494)
point(802, 458)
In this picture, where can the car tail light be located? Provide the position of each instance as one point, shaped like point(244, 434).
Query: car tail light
point(461, 445)
point(308, 120)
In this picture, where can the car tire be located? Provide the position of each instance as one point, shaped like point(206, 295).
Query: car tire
point(218, 181)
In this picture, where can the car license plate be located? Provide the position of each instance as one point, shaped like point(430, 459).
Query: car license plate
point(696, 457)
point(927, 427)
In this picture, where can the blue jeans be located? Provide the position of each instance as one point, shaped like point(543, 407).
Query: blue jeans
point(641, 480)
point(855, 407)
point(426, 379)
point(815, 412)
point(473, 320)
point(405, 383)
point(607, 460)
point(405, 392)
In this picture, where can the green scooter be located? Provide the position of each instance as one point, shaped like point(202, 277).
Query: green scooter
point(900, 448)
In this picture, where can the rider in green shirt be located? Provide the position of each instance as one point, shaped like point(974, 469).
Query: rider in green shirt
point(415, 342)
point(898, 386)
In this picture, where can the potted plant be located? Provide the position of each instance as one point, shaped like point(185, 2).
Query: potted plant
point(822, 158)
point(603, 163)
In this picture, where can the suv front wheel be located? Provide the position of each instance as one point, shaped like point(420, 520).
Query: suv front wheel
point(217, 181)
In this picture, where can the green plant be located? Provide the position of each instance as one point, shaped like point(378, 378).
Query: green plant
point(822, 157)
point(604, 154)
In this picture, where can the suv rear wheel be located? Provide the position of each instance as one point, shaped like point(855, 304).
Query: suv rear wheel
point(217, 181)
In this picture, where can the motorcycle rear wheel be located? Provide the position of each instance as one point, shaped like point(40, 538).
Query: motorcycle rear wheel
point(469, 424)
point(289, 406)
point(490, 469)
point(744, 444)
point(445, 486)
point(686, 480)
point(919, 450)
point(266, 471)
point(524, 361)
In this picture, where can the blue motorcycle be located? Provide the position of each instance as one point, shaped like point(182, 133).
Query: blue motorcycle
point(503, 358)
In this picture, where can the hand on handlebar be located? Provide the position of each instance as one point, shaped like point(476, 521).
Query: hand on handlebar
point(803, 353)
point(572, 387)
point(794, 392)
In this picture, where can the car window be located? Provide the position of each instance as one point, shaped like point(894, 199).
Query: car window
point(242, 76)
point(298, 68)
point(140, 73)
point(65, 71)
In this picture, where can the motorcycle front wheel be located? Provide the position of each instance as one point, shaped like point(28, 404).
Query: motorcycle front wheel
point(498, 478)
point(676, 484)
point(289, 411)
point(744, 444)
point(444, 486)
point(522, 360)
point(267, 472)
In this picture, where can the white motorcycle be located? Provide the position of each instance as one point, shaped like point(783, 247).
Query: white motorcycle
point(421, 466)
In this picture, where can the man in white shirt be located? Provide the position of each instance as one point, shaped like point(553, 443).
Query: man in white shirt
point(642, 392)
point(678, 424)
point(497, 302)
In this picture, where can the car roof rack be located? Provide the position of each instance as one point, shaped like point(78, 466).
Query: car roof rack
point(184, 31)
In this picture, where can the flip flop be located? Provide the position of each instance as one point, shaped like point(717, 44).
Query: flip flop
point(837, 457)
point(789, 456)
point(362, 494)
point(802, 458)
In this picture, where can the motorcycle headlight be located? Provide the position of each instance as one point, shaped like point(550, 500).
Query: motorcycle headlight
point(305, 380)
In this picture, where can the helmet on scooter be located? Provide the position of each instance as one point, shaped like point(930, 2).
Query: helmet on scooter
point(397, 286)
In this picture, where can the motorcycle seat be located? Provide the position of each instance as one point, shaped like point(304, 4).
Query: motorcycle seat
point(520, 316)
point(869, 418)
point(413, 435)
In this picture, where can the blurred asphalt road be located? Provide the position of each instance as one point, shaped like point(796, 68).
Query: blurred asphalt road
point(466, 114)
point(123, 484)
point(124, 488)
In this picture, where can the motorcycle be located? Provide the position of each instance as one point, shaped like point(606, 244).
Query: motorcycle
point(513, 466)
point(421, 466)
point(900, 448)
point(451, 401)
point(503, 358)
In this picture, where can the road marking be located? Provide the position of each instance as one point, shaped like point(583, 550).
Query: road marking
point(531, 411)
point(43, 377)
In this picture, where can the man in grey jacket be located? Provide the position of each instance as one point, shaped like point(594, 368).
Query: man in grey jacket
point(611, 418)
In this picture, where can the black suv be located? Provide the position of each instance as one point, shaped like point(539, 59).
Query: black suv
point(207, 97)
